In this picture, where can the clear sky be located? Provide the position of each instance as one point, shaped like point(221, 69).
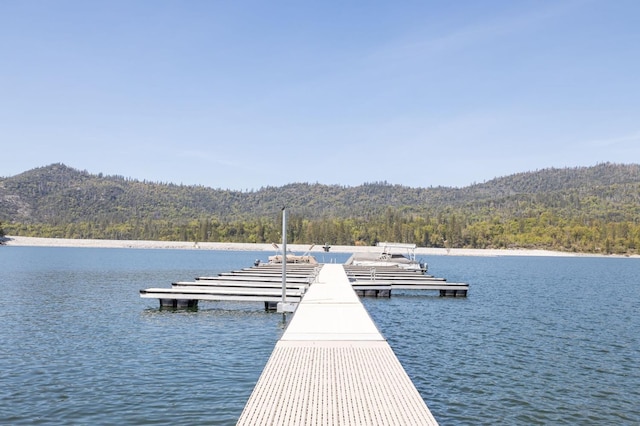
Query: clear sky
point(246, 94)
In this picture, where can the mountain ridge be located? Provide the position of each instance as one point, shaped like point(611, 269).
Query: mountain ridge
point(66, 199)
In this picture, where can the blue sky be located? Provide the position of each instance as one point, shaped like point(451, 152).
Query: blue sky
point(246, 94)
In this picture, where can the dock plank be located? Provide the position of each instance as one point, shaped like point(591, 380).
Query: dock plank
point(333, 367)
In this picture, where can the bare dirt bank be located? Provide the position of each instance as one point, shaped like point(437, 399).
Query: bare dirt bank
point(186, 245)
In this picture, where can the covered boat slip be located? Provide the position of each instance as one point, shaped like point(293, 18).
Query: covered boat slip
point(333, 367)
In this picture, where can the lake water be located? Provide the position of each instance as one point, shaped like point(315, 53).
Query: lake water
point(538, 341)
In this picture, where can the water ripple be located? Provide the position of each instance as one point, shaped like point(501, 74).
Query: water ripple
point(538, 340)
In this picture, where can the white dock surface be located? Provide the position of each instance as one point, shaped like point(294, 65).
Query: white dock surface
point(333, 367)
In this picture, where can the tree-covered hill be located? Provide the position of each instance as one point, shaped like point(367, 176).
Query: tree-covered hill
point(585, 209)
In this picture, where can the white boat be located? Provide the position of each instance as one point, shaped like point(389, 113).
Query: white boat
point(392, 254)
point(293, 258)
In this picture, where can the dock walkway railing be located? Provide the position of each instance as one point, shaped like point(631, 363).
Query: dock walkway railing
point(333, 367)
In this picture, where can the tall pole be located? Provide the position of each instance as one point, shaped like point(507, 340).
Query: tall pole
point(284, 255)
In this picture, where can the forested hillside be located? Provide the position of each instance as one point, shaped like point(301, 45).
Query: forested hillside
point(589, 209)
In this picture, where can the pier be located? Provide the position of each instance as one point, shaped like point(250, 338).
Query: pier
point(263, 283)
point(379, 281)
point(333, 367)
point(247, 285)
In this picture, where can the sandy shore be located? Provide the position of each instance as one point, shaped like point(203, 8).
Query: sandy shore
point(298, 248)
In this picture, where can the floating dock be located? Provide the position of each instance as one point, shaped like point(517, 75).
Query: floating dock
point(263, 283)
point(366, 279)
point(239, 286)
point(333, 367)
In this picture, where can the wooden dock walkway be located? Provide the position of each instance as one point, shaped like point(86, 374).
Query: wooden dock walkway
point(333, 367)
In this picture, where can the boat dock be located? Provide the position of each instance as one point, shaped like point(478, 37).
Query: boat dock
point(239, 286)
point(263, 283)
point(333, 367)
point(377, 281)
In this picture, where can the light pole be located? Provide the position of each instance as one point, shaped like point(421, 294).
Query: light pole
point(284, 255)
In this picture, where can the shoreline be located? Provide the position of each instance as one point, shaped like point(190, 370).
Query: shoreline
point(19, 241)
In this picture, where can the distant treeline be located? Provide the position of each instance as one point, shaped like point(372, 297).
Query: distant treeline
point(589, 209)
point(544, 231)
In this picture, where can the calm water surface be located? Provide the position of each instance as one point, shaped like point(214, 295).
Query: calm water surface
point(538, 340)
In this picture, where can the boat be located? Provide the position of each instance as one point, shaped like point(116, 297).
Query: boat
point(392, 254)
point(305, 258)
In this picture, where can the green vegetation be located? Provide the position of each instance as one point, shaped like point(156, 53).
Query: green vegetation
point(593, 210)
